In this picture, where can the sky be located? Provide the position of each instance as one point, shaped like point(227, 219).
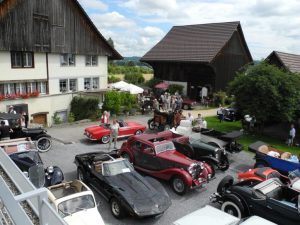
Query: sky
point(136, 26)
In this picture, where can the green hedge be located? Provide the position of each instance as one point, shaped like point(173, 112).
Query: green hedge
point(83, 108)
point(134, 77)
point(175, 87)
point(118, 102)
point(113, 79)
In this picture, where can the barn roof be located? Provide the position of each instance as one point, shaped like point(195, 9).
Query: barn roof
point(195, 43)
point(289, 61)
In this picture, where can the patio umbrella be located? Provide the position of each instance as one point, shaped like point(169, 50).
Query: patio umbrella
point(162, 85)
point(132, 89)
point(119, 85)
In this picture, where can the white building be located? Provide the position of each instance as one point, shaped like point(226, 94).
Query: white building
point(50, 49)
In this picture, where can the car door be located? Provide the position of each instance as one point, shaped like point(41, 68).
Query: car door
point(136, 148)
point(124, 129)
point(149, 159)
point(283, 212)
point(99, 182)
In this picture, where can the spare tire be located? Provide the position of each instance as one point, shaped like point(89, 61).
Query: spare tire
point(224, 184)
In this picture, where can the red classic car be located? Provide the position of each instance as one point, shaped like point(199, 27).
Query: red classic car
point(156, 156)
point(102, 132)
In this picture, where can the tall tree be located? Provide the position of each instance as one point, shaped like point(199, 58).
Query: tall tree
point(110, 42)
point(269, 93)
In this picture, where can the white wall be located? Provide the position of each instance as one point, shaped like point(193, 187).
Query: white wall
point(7, 73)
point(79, 71)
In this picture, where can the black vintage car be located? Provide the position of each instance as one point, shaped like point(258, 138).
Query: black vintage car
point(26, 157)
point(228, 140)
point(43, 140)
point(269, 199)
point(126, 190)
point(196, 149)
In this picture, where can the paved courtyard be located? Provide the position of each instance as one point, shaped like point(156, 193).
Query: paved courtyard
point(69, 141)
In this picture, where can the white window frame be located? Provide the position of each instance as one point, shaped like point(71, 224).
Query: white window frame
point(91, 60)
point(63, 89)
point(42, 87)
point(21, 88)
point(31, 87)
point(22, 59)
point(95, 82)
point(27, 58)
point(67, 59)
point(76, 85)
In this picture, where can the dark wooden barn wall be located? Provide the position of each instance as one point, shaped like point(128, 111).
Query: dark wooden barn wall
point(229, 61)
point(56, 26)
point(273, 59)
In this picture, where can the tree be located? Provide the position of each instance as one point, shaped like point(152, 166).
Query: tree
point(267, 92)
point(110, 42)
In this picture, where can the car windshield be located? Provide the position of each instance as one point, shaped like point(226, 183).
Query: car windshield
point(167, 146)
point(31, 157)
point(77, 204)
point(113, 168)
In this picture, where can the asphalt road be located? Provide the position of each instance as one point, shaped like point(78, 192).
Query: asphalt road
point(69, 141)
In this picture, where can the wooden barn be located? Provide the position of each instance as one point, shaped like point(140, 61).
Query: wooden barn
point(203, 55)
point(290, 62)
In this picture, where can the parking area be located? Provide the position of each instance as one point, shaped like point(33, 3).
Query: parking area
point(69, 141)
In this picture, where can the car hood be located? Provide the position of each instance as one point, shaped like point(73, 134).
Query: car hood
point(85, 217)
point(95, 128)
point(140, 194)
point(176, 157)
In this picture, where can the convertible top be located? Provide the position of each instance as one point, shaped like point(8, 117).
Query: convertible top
point(9, 116)
point(232, 135)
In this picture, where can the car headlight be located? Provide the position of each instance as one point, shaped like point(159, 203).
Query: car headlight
point(50, 169)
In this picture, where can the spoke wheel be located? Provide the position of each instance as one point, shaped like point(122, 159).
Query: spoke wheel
point(44, 144)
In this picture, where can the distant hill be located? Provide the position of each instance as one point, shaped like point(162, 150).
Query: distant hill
point(134, 59)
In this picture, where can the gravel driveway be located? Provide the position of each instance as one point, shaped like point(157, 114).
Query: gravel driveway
point(69, 141)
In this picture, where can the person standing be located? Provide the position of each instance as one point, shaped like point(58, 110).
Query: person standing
point(4, 131)
point(11, 110)
point(104, 117)
point(190, 117)
point(292, 135)
point(114, 131)
point(26, 118)
point(220, 113)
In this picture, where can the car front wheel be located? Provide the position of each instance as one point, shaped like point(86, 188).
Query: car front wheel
point(233, 209)
point(138, 132)
point(44, 144)
point(178, 185)
point(116, 208)
point(224, 184)
point(105, 139)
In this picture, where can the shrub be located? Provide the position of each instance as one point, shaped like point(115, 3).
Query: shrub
point(152, 82)
point(56, 119)
point(175, 87)
point(71, 118)
point(219, 98)
point(83, 108)
point(134, 77)
point(113, 79)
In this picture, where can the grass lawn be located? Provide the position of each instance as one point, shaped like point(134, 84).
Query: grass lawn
point(247, 139)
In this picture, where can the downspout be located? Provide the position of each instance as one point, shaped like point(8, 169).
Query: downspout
point(47, 71)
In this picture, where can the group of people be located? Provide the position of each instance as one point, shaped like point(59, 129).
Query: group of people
point(168, 102)
point(197, 122)
point(5, 129)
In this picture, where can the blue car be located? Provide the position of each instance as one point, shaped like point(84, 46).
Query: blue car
point(267, 156)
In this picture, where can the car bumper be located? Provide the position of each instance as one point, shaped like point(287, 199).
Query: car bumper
point(89, 137)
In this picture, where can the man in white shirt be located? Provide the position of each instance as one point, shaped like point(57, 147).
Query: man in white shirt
point(292, 135)
point(114, 131)
point(190, 117)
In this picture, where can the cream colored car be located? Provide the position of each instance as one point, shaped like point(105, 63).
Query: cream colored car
point(75, 203)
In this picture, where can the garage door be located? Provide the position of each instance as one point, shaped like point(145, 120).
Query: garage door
point(40, 118)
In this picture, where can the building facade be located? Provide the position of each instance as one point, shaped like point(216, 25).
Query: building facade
point(50, 51)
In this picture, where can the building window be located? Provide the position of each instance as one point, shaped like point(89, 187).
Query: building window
point(96, 83)
point(67, 59)
point(9, 89)
point(42, 87)
point(21, 59)
point(31, 87)
point(63, 85)
point(87, 83)
point(91, 60)
point(73, 84)
point(21, 88)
